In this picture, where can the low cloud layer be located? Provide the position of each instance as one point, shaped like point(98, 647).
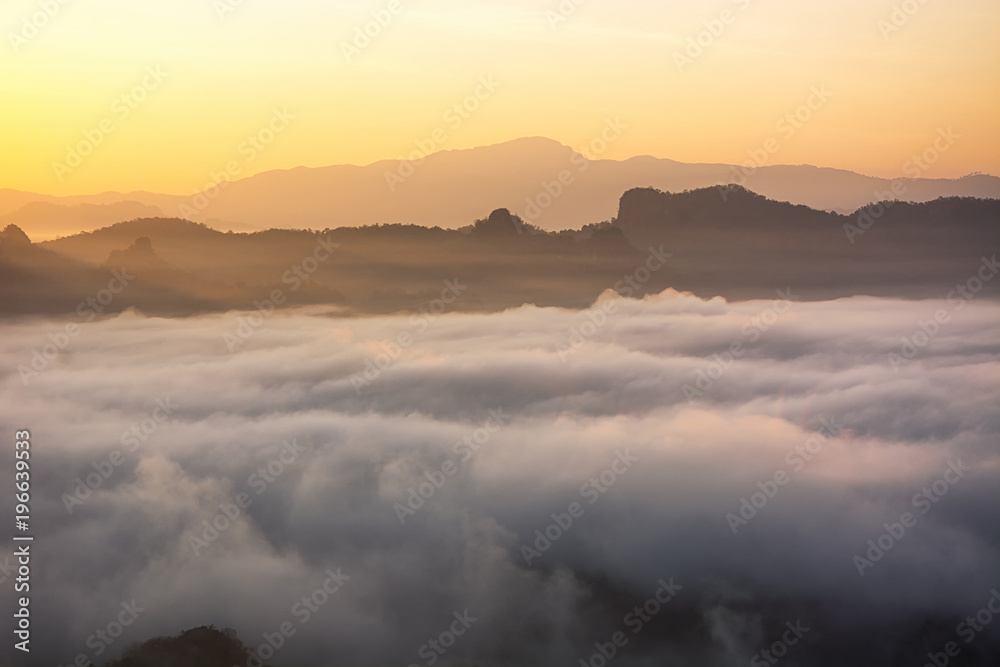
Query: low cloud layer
point(734, 458)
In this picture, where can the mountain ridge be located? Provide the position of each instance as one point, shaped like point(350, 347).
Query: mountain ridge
point(450, 187)
point(740, 246)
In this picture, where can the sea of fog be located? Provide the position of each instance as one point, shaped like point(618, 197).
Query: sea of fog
point(668, 480)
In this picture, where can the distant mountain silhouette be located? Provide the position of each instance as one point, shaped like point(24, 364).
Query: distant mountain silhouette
point(545, 183)
point(200, 647)
point(730, 245)
point(499, 223)
point(382, 268)
point(43, 220)
point(138, 256)
point(13, 238)
point(739, 246)
point(34, 279)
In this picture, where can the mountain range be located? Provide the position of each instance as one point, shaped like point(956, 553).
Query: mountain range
point(730, 242)
point(546, 183)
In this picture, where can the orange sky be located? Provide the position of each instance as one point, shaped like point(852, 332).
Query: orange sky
point(159, 95)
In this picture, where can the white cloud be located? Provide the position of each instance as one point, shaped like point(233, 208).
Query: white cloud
point(334, 505)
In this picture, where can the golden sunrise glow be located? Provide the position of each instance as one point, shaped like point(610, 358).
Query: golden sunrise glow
point(229, 65)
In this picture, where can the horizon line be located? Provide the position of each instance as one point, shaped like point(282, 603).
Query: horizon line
point(494, 145)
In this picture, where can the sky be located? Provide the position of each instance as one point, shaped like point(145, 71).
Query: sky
point(225, 69)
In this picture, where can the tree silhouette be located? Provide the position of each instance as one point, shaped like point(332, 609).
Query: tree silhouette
point(205, 646)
